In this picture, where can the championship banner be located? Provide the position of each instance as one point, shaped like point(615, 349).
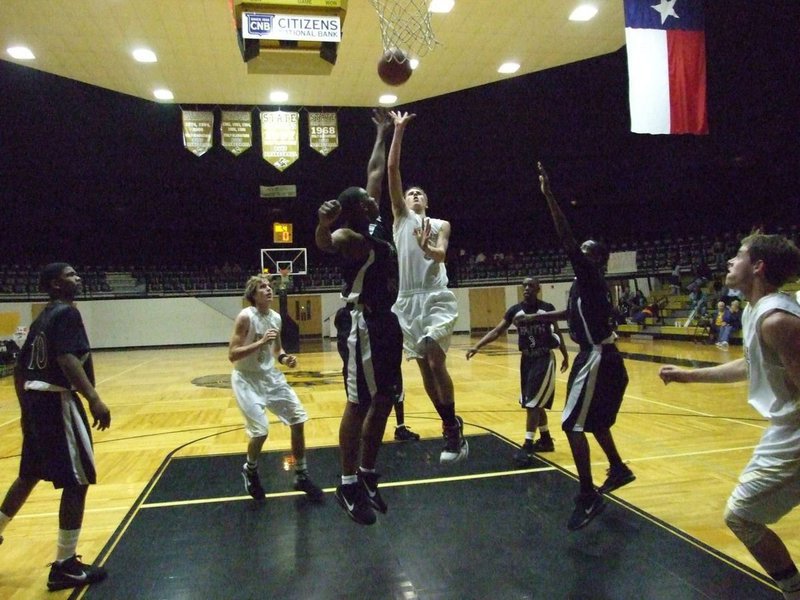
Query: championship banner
point(198, 130)
point(323, 132)
point(236, 131)
point(280, 138)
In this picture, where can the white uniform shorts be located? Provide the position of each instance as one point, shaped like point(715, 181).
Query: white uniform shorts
point(766, 493)
point(257, 392)
point(426, 315)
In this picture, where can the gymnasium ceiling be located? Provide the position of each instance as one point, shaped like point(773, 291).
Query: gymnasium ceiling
point(199, 59)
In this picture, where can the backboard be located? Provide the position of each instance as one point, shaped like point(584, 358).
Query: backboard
point(295, 260)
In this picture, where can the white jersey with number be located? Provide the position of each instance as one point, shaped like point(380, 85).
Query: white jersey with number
point(261, 361)
point(771, 393)
point(417, 273)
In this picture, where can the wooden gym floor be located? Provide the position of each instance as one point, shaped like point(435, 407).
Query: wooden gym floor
point(686, 445)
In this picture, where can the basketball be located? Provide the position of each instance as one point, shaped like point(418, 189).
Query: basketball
point(394, 67)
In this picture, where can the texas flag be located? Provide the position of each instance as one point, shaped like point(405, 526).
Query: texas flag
point(666, 66)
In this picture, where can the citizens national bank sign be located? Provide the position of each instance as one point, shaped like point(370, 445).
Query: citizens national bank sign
point(271, 26)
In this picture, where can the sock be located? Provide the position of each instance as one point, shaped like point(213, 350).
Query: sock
point(67, 544)
point(363, 470)
point(400, 425)
point(251, 466)
point(544, 430)
point(348, 479)
point(301, 466)
point(4, 520)
point(529, 436)
point(788, 580)
point(448, 414)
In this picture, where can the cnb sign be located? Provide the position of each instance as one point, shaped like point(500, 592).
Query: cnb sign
point(269, 26)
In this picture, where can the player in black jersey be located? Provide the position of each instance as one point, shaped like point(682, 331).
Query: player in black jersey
point(53, 367)
point(376, 168)
point(598, 377)
point(537, 367)
point(373, 353)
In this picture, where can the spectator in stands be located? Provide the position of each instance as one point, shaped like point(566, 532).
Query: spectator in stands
point(718, 321)
point(675, 278)
point(732, 324)
point(651, 310)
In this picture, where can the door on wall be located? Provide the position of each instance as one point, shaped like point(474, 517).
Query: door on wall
point(486, 307)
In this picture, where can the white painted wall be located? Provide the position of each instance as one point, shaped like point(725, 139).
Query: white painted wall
point(139, 322)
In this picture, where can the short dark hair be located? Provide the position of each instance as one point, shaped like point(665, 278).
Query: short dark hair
point(598, 249)
point(48, 274)
point(351, 198)
point(780, 255)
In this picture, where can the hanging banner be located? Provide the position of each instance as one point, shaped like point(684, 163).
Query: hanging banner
point(280, 138)
point(236, 131)
point(198, 130)
point(323, 132)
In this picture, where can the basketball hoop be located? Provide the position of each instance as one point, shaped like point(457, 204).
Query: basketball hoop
point(405, 25)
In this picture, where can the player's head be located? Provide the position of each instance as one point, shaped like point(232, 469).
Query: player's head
point(416, 199)
point(255, 285)
point(357, 206)
point(530, 288)
point(774, 258)
point(59, 280)
point(596, 252)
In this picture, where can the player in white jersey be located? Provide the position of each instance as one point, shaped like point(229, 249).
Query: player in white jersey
point(259, 385)
point(425, 307)
point(769, 486)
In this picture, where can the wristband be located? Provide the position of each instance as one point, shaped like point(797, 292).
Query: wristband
point(281, 356)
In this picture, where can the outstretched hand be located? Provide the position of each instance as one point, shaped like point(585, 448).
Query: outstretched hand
point(544, 180)
point(401, 118)
point(671, 373)
point(382, 120)
point(423, 235)
point(471, 352)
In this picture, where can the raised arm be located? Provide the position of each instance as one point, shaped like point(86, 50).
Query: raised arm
point(326, 217)
point(376, 167)
point(563, 229)
point(401, 120)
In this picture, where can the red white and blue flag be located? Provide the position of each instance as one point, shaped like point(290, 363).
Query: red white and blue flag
point(666, 66)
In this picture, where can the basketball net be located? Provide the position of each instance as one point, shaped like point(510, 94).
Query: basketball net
point(406, 25)
point(283, 279)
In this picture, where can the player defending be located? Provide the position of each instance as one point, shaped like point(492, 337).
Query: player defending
point(426, 309)
point(258, 385)
point(53, 367)
point(373, 353)
point(769, 486)
point(376, 168)
point(598, 377)
point(537, 367)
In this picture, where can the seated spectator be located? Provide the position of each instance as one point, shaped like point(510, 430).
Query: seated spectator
point(675, 278)
point(732, 324)
point(651, 310)
point(720, 319)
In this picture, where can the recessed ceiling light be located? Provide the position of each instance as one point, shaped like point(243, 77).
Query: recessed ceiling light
point(144, 55)
point(163, 94)
point(20, 53)
point(583, 13)
point(387, 99)
point(509, 67)
point(278, 96)
point(441, 6)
